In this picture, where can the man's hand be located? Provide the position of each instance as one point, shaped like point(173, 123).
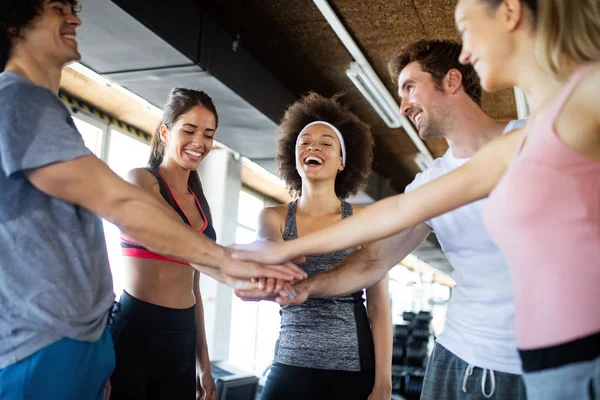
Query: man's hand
point(287, 295)
point(265, 289)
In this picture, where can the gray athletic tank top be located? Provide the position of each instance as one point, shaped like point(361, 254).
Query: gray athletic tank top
point(332, 333)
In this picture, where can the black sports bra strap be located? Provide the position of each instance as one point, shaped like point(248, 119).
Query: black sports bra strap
point(166, 194)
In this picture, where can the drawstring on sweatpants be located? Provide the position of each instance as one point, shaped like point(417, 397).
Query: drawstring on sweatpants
point(469, 372)
point(492, 379)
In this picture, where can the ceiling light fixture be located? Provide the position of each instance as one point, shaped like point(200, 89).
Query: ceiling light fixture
point(388, 112)
point(368, 83)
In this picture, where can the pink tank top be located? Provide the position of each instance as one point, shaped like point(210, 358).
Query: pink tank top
point(545, 215)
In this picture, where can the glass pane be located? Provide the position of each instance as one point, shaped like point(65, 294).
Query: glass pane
point(126, 153)
point(242, 338)
point(92, 135)
point(267, 333)
point(249, 207)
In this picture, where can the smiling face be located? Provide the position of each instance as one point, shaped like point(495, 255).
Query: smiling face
point(422, 101)
point(488, 40)
point(52, 35)
point(318, 153)
point(190, 138)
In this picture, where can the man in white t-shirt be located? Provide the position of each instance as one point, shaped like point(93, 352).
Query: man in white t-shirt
point(475, 356)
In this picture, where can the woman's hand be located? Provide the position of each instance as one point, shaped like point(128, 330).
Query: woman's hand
point(381, 392)
point(262, 251)
point(205, 387)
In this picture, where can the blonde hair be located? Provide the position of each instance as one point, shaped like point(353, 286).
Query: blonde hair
point(567, 32)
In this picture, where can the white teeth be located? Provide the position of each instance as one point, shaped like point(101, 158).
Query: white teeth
point(313, 158)
point(418, 118)
point(193, 153)
point(72, 37)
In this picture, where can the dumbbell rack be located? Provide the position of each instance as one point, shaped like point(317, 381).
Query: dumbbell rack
point(410, 354)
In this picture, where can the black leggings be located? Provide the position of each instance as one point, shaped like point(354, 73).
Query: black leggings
point(298, 383)
point(155, 351)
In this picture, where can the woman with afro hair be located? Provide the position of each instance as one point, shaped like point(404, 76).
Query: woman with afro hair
point(328, 348)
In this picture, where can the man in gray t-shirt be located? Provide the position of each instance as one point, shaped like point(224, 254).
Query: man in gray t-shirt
point(55, 283)
point(53, 255)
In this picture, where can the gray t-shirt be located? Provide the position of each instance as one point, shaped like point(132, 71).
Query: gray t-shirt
point(55, 280)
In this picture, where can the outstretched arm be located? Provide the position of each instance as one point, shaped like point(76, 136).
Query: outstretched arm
point(366, 266)
point(471, 182)
point(361, 269)
point(88, 182)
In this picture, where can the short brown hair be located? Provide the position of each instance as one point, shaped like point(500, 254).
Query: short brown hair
point(437, 57)
point(357, 137)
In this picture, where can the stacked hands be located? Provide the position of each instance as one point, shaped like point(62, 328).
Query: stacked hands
point(282, 280)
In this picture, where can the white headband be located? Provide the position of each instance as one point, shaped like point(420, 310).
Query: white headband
point(337, 132)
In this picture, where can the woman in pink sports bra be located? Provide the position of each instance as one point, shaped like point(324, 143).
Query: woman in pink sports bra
point(543, 182)
point(158, 324)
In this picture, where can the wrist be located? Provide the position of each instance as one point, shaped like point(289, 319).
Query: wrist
point(285, 250)
point(202, 368)
point(217, 256)
point(383, 383)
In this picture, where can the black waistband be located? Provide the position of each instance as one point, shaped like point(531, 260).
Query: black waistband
point(155, 316)
point(584, 349)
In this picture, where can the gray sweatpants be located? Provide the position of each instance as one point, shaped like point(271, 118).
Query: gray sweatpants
point(579, 381)
point(450, 378)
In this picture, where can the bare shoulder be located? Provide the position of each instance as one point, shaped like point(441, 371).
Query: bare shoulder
point(271, 222)
point(274, 214)
point(141, 177)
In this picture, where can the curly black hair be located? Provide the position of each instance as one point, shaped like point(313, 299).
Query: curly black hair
point(16, 15)
point(437, 57)
point(357, 137)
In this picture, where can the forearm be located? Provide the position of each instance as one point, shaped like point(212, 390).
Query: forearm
point(368, 265)
point(162, 233)
point(202, 357)
point(381, 327)
point(397, 213)
point(354, 273)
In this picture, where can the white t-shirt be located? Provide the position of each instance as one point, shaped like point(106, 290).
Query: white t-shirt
point(480, 320)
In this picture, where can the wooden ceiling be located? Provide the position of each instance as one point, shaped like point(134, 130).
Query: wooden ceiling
point(295, 43)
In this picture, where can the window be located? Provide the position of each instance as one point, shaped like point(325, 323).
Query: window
point(254, 326)
point(126, 152)
point(123, 152)
point(92, 133)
